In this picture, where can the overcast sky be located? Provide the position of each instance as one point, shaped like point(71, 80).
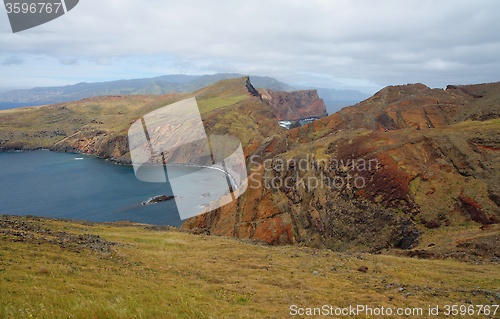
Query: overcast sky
point(341, 44)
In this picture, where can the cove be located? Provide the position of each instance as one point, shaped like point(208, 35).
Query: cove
point(80, 187)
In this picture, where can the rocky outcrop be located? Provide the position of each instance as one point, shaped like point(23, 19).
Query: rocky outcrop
point(430, 169)
point(33, 230)
point(295, 106)
point(158, 199)
point(417, 106)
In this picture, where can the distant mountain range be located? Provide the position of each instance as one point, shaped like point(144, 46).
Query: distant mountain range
point(157, 85)
point(334, 99)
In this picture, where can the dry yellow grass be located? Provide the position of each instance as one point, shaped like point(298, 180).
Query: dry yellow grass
point(170, 274)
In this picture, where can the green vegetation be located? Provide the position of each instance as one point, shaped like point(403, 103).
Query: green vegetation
point(36, 127)
point(158, 85)
point(215, 103)
point(50, 269)
point(99, 125)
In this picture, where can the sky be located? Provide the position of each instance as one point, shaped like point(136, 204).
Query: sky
point(343, 44)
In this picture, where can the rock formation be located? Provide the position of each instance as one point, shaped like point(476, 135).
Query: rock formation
point(296, 108)
point(375, 175)
point(158, 199)
point(442, 175)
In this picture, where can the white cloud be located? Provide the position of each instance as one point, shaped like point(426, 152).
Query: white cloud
point(347, 43)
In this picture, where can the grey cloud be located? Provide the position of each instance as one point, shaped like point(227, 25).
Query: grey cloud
point(379, 42)
point(68, 60)
point(13, 60)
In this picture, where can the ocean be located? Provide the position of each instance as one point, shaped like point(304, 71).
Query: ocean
point(13, 105)
point(80, 187)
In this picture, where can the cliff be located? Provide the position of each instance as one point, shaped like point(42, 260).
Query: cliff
point(423, 158)
point(294, 106)
point(380, 174)
point(98, 126)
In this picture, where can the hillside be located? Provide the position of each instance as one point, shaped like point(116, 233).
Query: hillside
point(435, 167)
point(403, 169)
point(61, 269)
point(157, 85)
point(99, 126)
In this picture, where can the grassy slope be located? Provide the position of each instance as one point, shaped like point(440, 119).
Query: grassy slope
point(92, 125)
point(34, 127)
point(169, 274)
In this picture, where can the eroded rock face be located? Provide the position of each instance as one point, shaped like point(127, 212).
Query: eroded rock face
point(306, 203)
point(434, 152)
point(294, 106)
point(418, 106)
point(432, 170)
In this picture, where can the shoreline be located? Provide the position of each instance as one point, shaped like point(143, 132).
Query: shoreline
point(121, 163)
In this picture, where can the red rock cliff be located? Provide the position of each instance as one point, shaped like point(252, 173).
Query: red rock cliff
point(297, 105)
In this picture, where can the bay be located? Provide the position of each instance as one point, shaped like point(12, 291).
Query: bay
point(80, 187)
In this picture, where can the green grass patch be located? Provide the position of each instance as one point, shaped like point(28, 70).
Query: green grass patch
point(214, 103)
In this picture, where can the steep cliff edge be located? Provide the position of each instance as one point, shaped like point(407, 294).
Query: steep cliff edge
point(295, 106)
point(380, 174)
point(422, 159)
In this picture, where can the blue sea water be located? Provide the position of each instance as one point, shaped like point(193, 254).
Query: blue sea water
point(75, 186)
point(13, 105)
